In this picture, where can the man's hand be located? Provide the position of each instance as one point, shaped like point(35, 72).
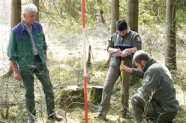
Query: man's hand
point(126, 69)
point(17, 75)
point(117, 50)
point(45, 57)
point(45, 53)
point(124, 53)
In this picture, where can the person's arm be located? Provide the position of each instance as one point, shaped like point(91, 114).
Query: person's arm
point(136, 43)
point(137, 73)
point(149, 85)
point(17, 74)
point(45, 53)
point(114, 50)
point(133, 71)
point(128, 51)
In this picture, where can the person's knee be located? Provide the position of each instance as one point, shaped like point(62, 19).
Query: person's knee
point(137, 100)
point(107, 88)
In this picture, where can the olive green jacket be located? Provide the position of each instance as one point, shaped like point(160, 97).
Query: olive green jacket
point(130, 39)
point(158, 85)
point(20, 45)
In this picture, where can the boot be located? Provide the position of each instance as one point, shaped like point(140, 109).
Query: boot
point(127, 115)
point(100, 116)
point(31, 120)
point(55, 116)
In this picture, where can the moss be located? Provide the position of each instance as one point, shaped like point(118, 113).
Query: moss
point(96, 94)
point(70, 98)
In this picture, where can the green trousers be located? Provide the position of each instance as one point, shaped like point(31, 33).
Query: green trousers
point(150, 111)
point(111, 78)
point(41, 72)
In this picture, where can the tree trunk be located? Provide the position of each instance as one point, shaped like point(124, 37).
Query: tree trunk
point(114, 19)
point(132, 21)
point(96, 94)
point(99, 12)
point(132, 14)
point(114, 15)
point(16, 12)
point(70, 97)
point(89, 56)
point(170, 55)
point(36, 2)
point(15, 19)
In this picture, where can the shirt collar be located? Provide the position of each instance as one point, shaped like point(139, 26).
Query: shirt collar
point(24, 27)
point(149, 63)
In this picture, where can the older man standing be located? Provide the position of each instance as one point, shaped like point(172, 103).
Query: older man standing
point(27, 53)
point(156, 99)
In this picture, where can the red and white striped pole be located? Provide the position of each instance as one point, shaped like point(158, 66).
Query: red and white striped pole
point(84, 61)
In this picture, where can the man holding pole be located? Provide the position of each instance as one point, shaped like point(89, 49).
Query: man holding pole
point(156, 99)
point(122, 45)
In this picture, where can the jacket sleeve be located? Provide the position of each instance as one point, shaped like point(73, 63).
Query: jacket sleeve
point(44, 44)
point(148, 86)
point(12, 48)
point(136, 41)
point(111, 42)
point(137, 73)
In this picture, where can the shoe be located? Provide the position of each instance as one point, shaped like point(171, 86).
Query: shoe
point(55, 116)
point(31, 120)
point(126, 115)
point(100, 116)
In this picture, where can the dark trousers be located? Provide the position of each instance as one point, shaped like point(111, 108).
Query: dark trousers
point(150, 111)
point(41, 72)
point(111, 78)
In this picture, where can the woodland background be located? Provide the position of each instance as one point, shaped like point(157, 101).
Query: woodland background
point(160, 23)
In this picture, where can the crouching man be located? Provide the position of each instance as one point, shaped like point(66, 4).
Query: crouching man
point(156, 99)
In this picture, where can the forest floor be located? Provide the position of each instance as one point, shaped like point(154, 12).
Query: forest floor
point(65, 65)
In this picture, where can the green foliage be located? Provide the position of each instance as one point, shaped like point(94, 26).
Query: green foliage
point(123, 9)
point(152, 11)
point(180, 118)
point(180, 15)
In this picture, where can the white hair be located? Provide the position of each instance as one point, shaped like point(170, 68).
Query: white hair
point(29, 8)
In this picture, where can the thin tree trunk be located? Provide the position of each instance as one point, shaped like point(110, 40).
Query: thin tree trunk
point(15, 19)
point(36, 2)
point(132, 21)
point(114, 15)
point(170, 55)
point(99, 12)
point(132, 14)
point(16, 12)
point(114, 19)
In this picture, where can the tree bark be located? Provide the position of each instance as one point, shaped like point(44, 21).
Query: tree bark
point(96, 94)
point(36, 2)
point(99, 12)
point(15, 19)
point(114, 15)
point(132, 14)
point(16, 12)
point(70, 97)
point(114, 19)
point(170, 55)
point(132, 21)
point(89, 56)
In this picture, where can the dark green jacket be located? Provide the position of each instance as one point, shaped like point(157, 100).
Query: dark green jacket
point(158, 85)
point(130, 39)
point(20, 44)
